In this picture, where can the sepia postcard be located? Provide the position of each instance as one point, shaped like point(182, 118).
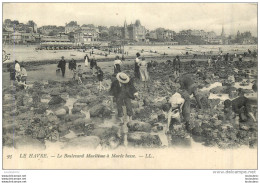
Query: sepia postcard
point(129, 86)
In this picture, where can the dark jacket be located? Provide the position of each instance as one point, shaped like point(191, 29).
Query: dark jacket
point(62, 64)
point(100, 75)
point(137, 74)
point(186, 82)
point(12, 72)
point(93, 63)
point(117, 68)
point(72, 64)
point(239, 103)
point(125, 91)
point(176, 64)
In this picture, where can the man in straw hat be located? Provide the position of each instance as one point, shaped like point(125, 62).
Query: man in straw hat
point(62, 65)
point(123, 90)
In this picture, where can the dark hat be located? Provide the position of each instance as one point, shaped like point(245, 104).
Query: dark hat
point(62, 57)
point(138, 54)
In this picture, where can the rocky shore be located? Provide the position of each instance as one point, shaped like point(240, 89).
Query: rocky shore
point(81, 116)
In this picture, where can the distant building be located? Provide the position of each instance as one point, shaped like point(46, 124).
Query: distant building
point(211, 37)
point(15, 26)
point(32, 25)
point(248, 41)
point(45, 30)
point(20, 38)
point(223, 36)
point(217, 40)
point(71, 27)
point(115, 32)
point(30, 38)
point(55, 41)
point(86, 35)
point(185, 32)
point(12, 37)
point(196, 32)
point(153, 35)
point(134, 32)
point(206, 36)
point(51, 30)
point(164, 35)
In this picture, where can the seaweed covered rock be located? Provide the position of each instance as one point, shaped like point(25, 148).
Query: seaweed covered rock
point(41, 109)
point(73, 117)
point(100, 110)
point(110, 137)
point(139, 126)
point(56, 100)
point(60, 112)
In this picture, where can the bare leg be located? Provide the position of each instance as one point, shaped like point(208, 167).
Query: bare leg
point(79, 81)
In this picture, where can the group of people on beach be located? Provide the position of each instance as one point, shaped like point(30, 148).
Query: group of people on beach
point(215, 60)
point(178, 105)
point(78, 70)
point(123, 89)
point(123, 86)
point(18, 74)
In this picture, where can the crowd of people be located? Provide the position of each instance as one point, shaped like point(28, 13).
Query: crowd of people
point(178, 106)
point(123, 86)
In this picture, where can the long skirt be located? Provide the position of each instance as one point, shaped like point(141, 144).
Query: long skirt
point(144, 74)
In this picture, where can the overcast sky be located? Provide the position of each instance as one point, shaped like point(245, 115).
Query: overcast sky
point(174, 16)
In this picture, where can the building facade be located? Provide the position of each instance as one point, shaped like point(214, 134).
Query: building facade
point(134, 32)
point(20, 38)
point(71, 27)
point(86, 36)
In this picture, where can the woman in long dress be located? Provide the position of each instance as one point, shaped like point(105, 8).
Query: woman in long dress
point(86, 58)
point(137, 72)
point(143, 72)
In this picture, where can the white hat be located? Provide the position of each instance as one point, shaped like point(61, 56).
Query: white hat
point(122, 77)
